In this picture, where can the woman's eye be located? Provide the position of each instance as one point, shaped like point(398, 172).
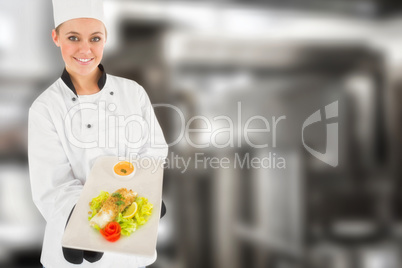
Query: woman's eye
point(96, 39)
point(73, 38)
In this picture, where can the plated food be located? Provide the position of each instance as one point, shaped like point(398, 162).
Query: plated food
point(136, 233)
point(121, 212)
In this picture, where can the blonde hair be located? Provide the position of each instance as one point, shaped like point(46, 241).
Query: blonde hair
point(58, 29)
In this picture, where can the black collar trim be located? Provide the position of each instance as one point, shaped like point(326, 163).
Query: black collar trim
point(65, 76)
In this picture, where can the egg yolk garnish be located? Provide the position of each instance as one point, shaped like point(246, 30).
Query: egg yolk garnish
point(123, 168)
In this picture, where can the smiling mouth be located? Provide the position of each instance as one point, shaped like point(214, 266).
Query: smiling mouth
point(83, 60)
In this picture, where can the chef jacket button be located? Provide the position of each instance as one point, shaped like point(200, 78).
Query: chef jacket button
point(89, 126)
point(111, 92)
point(73, 99)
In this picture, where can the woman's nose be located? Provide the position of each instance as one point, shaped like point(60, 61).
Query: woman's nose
point(85, 47)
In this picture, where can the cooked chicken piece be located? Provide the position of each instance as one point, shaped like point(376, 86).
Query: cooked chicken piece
point(115, 204)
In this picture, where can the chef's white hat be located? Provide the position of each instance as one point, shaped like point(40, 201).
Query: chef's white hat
point(64, 10)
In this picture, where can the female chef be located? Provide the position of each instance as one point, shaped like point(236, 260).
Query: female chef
point(84, 114)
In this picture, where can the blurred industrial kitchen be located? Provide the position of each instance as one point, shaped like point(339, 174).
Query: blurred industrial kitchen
point(279, 60)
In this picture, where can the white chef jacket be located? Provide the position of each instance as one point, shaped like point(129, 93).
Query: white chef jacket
point(66, 133)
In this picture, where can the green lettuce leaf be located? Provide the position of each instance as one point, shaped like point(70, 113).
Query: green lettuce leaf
point(97, 203)
point(128, 226)
point(144, 210)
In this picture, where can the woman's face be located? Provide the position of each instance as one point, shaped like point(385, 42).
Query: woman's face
point(81, 42)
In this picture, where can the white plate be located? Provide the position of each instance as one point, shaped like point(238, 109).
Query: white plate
point(146, 182)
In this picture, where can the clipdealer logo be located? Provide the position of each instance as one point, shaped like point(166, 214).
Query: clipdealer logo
point(330, 156)
point(127, 133)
